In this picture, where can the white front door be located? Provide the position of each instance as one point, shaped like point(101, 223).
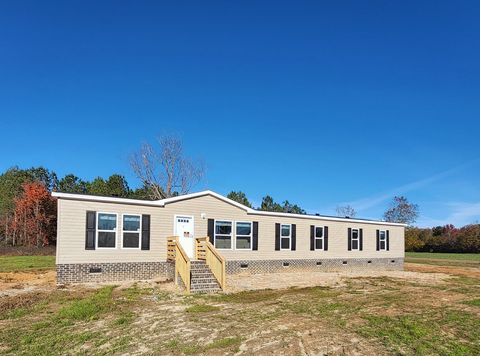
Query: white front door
point(184, 230)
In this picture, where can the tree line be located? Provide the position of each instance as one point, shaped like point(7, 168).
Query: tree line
point(268, 204)
point(445, 238)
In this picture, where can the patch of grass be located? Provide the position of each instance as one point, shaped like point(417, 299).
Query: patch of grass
point(317, 308)
point(474, 302)
point(56, 332)
point(249, 296)
point(134, 292)
point(194, 348)
point(264, 295)
point(88, 308)
point(121, 344)
point(201, 308)
point(18, 306)
point(26, 263)
point(46, 338)
point(447, 256)
point(224, 343)
point(15, 313)
point(124, 319)
point(190, 349)
point(447, 332)
point(172, 344)
point(466, 281)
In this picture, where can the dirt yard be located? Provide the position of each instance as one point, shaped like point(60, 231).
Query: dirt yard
point(427, 309)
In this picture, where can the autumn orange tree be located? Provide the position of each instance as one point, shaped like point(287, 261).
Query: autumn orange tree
point(34, 216)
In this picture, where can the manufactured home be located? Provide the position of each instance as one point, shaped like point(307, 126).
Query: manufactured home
point(199, 239)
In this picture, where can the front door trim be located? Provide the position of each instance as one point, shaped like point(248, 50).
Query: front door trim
point(190, 251)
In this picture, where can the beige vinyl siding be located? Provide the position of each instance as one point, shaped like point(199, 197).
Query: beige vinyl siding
point(71, 232)
point(337, 241)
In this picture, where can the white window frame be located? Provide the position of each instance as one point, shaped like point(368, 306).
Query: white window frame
point(318, 238)
point(358, 240)
point(250, 236)
point(384, 240)
point(285, 237)
point(139, 233)
point(215, 235)
point(97, 230)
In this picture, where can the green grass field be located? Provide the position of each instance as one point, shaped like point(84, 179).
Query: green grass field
point(447, 256)
point(26, 263)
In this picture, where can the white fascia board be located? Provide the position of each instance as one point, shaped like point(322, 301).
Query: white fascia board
point(327, 218)
point(95, 198)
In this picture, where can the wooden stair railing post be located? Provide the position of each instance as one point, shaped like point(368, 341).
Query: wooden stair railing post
point(200, 248)
point(182, 265)
point(171, 248)
point(205, 250)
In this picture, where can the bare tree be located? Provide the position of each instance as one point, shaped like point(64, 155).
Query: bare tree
point(346, 211)
point(401, 211)
point(164, 170)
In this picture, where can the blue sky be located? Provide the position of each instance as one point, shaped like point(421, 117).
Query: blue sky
point(319, 103)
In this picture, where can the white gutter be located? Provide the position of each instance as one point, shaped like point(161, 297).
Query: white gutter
point(319, 217)
point(102, 199)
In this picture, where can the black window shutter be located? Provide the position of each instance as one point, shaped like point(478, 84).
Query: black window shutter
point(388, 240)
point(312, 238)
point(325, 238)
point(91, 225)
point(294, 237)
point(211, 231)
point(255, 236)
point(277, 237)
point(378, 240)
point(360, 238)
point(145, 232)
point(349, 239)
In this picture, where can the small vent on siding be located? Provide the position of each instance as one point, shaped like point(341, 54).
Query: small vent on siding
point(95, 270)
point(243, 265)
point(344, 262)
point(286, 264)
point(319, 263)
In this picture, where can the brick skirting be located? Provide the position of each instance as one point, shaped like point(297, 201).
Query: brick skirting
point(124, 271)
point(309, 265)
point(113, 272)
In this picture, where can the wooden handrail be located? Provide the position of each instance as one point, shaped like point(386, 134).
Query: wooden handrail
point(182, 265)
point(212, 258)
point(171, 241)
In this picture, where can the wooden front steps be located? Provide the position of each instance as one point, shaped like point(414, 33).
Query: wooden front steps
point(204, 274)
point(202, 279)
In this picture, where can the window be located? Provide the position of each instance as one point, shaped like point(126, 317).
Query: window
point(318, 238)
point(285, 236)
point(243, 234)
point(383, 240)
point(106, 230)
point(355, 239)
point(223, 234)
point(131, 231)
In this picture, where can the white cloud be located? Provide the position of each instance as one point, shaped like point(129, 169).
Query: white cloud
point(460, 214)
point(370, 202)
